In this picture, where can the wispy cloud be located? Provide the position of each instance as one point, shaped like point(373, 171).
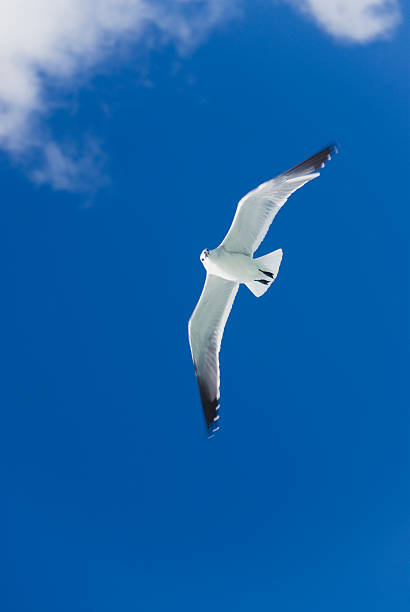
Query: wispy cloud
point(358, 21)
point(47, 43)
point(69, 168)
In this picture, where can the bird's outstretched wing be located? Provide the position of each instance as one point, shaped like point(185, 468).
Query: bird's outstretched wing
point(205, 329)
point(256, 210)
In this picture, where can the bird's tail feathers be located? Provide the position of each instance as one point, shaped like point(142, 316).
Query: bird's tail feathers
point(268, 266)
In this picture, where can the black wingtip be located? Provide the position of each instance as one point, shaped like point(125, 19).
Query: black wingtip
point(212, 430)
point(325, 154)
point(212, 421)
point(313, 163)
point(210, 409)
point(334, 148)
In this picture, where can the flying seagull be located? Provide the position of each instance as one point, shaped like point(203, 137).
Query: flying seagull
point(232, 263)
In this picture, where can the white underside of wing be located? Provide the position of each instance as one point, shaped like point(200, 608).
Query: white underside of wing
point(256, 210)
point(205, 329)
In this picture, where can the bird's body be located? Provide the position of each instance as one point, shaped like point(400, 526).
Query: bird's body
point(236, 267)
point(232, 263)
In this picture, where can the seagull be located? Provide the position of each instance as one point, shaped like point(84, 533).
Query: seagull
point(231, 264)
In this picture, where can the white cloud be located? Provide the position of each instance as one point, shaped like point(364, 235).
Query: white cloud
point(47, 43)
point(359, 21)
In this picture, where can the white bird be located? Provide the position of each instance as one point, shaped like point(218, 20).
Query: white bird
point(232, 263)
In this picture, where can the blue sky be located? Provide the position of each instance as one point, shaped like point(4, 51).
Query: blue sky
point(115, 175)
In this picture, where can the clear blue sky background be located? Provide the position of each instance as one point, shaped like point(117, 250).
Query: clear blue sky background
point(115, 500)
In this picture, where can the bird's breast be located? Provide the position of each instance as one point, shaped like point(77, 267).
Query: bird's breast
point(232, 266)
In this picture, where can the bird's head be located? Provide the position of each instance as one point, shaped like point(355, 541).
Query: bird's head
point(204, 256)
